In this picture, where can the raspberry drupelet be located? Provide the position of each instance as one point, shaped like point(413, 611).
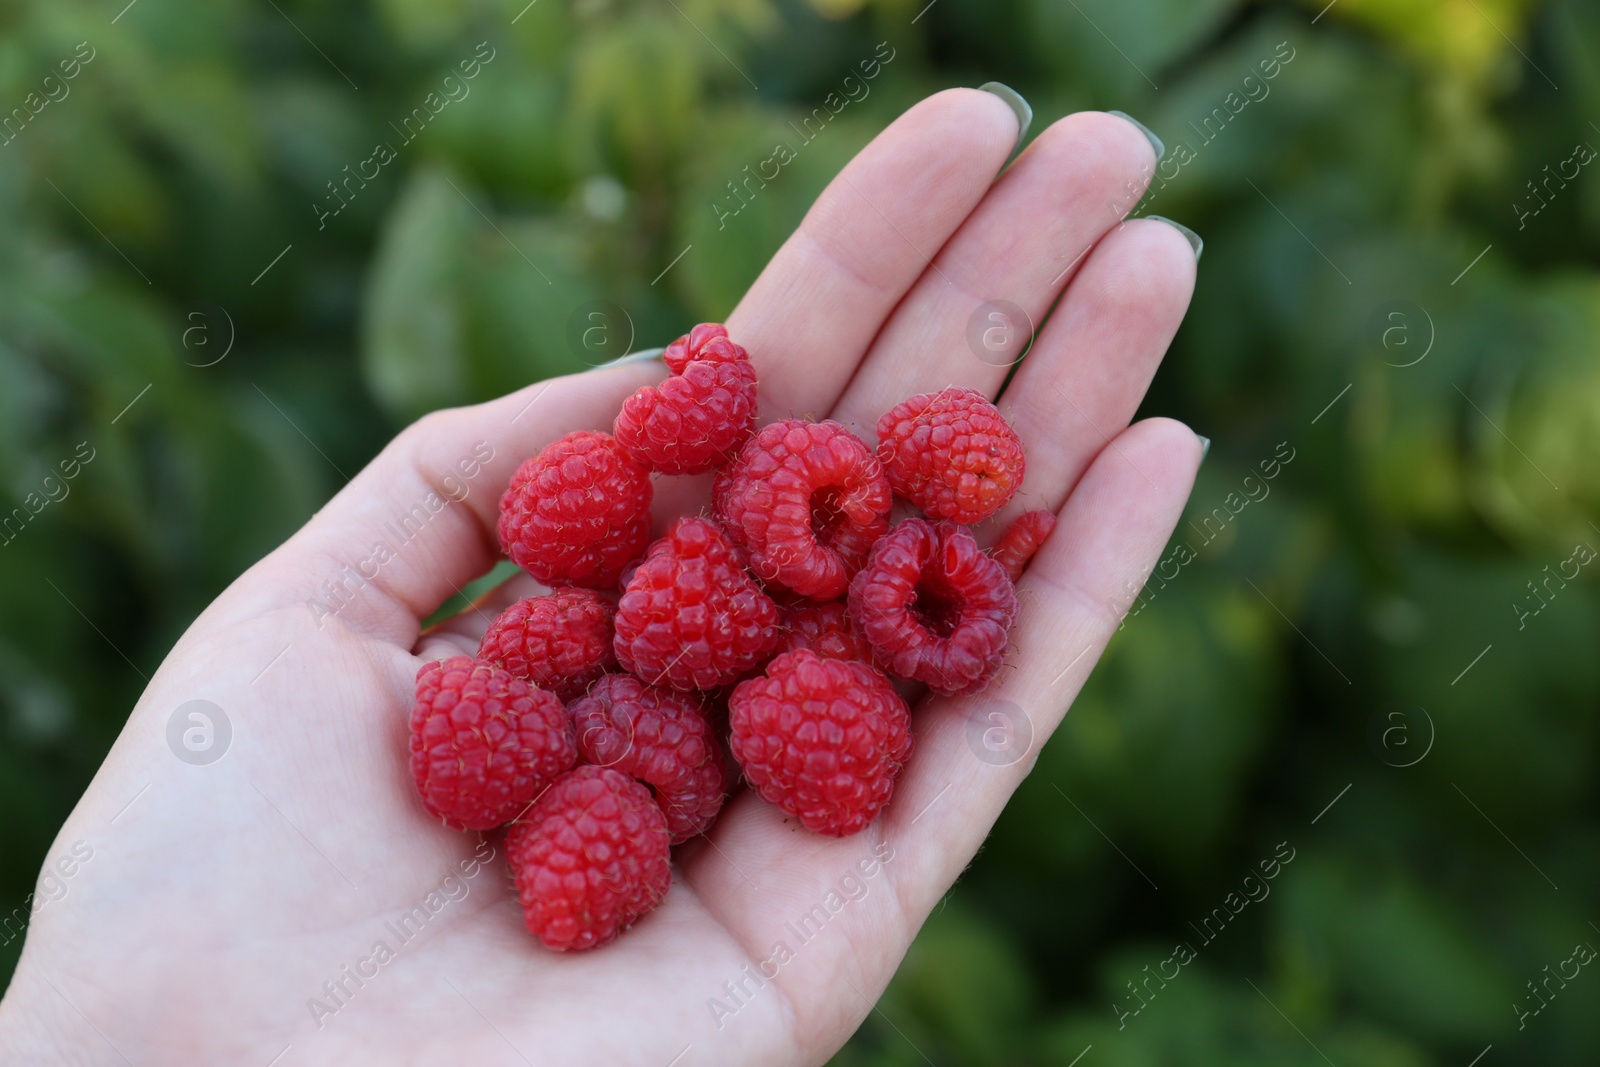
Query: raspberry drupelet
point(805, 500)
point(589, 858)
point(707, 342)
point(560, 641)
point(483, 742)
point(826, 629)
point(695, 419)
point(578, 512)
point(690, 617)
point(934, 607)
point(951, 454)
point(822, 739)
point(659, 737)
point(1022, 539)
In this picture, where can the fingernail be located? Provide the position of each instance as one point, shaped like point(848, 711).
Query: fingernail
point(1195, 240)
point(1205, 447)
point(1013, 99)
point(632, 357)
point(1155, 142)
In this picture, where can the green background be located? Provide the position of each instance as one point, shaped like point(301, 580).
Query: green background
point(1303, 653)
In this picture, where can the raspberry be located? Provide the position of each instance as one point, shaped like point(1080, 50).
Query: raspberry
point(690, 616)
point(560, 641)
point(806, 500)
point(659, 737)
point(951, 454)
point(589, 858)
point(826, 629)
point(484, 742)
point(934, 608)
point(1021, 540)
point(707, 341)
point(695, 419)
point(578, 512)
point(823, 739)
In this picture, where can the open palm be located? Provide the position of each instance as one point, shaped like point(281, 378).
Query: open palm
point(233, 912)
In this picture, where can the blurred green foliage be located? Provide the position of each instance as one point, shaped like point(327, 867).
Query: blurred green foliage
point(144, 208)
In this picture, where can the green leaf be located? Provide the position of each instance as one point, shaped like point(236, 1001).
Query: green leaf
point(1120, 48)
point(413, 337)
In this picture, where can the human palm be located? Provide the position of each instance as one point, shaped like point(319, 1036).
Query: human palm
point(232, 912)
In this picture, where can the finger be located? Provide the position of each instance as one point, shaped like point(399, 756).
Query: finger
point(818, 304)
point(1074, 594)
point(1074, 183)
point(1089, 368)
point(418, 522)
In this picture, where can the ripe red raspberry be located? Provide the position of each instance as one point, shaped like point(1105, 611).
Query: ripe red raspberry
point(693, 421)
point(707, 341)
point(934, 608)
point(484, 743)
point(951, 454)
point(825, 629)
point(589, 858)
point(806, 500)
point(1021, 540)
point(576, 513)
point(560, 642)
point(660, 737)
point(690, 616)
point(823, 739)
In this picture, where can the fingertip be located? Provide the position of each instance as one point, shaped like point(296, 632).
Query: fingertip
point(1174, 443)
point(978, 120)
point(1017, 103)
point(1196, 243)
point(1145, 265)
point(1157, 145)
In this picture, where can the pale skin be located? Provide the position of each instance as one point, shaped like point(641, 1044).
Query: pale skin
point(221, 899)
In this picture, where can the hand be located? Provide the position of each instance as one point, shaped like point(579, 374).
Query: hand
point(221, 904)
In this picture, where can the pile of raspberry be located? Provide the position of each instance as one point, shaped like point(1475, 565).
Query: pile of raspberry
point(773, 639)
